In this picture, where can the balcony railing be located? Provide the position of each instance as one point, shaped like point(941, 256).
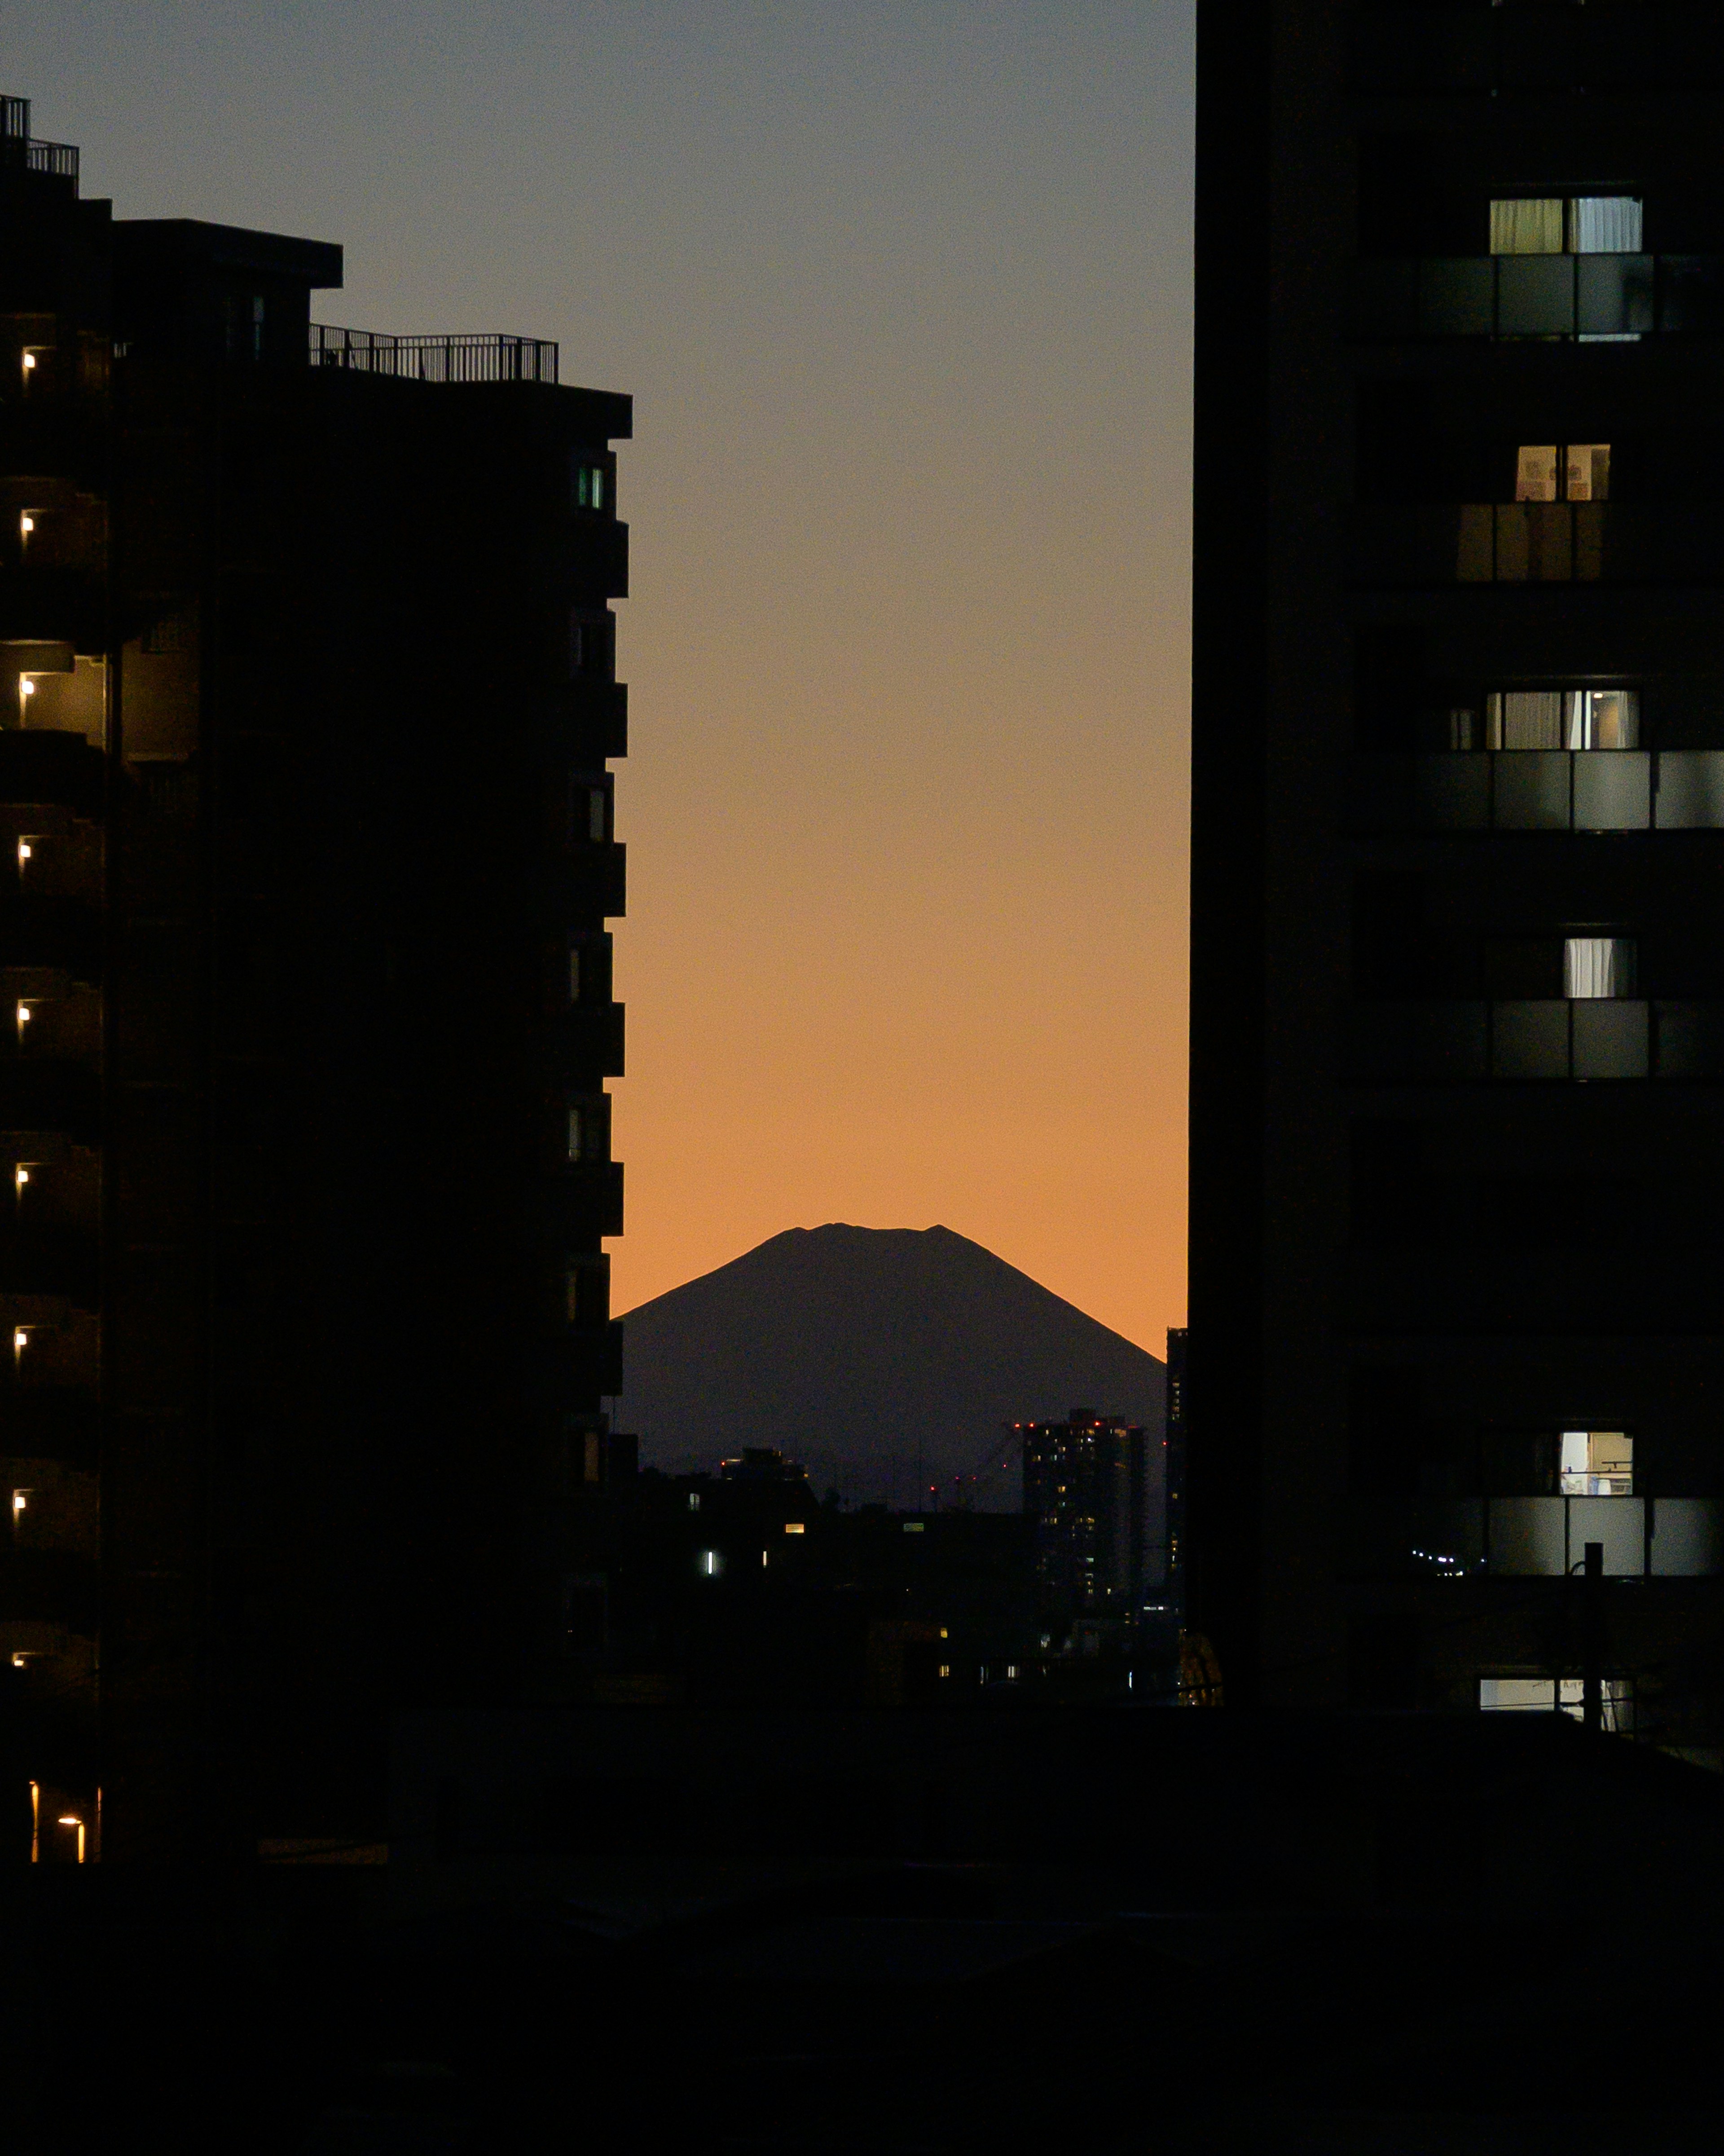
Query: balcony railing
point(1539, 790)
point(1537, 543)
point(1536, 1537)
point(493, 358)
point(20, 152)
point(1605, 298)
point(1436, 1041)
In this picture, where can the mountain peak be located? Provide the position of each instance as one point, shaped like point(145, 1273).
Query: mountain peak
point(864, 1351)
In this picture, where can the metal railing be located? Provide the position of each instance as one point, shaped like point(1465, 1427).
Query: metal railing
point(493, 358)
point(19, 149)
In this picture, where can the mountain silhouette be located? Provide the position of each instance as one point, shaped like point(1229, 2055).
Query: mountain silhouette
point(883, 1358)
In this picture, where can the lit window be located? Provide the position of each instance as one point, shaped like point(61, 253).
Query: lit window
point(794, 1528)
point(693, 1501)
point(1559, 718)
point(589, 486)
point(912, 1526)
point(1597, 1463)
point(1575, 225)
point(1595, 968)
point(945, 1669)
point(1579, 471)
point(1011, 1673)
point(712, 1564)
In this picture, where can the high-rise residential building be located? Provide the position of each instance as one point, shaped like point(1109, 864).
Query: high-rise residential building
point(307, 703)
point(1457, 1284)
point(1089, 1483)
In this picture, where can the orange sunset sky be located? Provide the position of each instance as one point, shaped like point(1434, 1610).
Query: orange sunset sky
point(903, 296)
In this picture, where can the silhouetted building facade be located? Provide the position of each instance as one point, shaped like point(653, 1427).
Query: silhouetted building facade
point(1457, 1289)
point(1085, 1489)
point(307, 700)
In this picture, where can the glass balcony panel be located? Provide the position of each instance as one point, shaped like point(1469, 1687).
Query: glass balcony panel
point(1588, 523)
point(1476, 547)
point(1530, 790)
point(1455, 293)
point(1550, 542)
point(1610, 1039)
point(1613, 790)
point(1528, 1537)
point(1613, 295)
point(1686, 1541)
point(1619, 1523)
point(1514, 541)
point(1690, 1040)
point(1529, 1040)
point(1452, 792)
point(1690, 294)
point(1535, 295)
point(1690, 794)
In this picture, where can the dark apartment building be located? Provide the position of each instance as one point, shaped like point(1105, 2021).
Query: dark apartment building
point(307, 705)
point(1089, 1483)
point(1457, 1291)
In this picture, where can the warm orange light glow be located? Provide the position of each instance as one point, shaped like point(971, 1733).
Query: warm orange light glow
point(23, 1016)
point(26, 686)
point(35, 1822)
point(29, 363)
point(20, 1498)
point(26, 525)
point(20, 1340)
point(23, 851)
point(21, 1176)
point(71, 1819)
point(794, 1528)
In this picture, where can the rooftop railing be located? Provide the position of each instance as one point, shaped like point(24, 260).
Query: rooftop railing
point(434, 358)
point(19, 149)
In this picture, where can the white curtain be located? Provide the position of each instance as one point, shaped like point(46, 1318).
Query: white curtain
point(1533, 227)
point(1596, 967)
point(1605, 224)
point(1526, 718)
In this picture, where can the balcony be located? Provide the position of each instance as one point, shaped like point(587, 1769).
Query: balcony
point(1405, 545)
point(1579, 298)
point(442, 359)
point(1451, 1042)
point(1535, 1537)
point(1586, 790)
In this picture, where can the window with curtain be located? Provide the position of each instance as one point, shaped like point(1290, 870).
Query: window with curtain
point(1549, 471)
point(1596, 968)
point(1560, 718)
point(1571, 224)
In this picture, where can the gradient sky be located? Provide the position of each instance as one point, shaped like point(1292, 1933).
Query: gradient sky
point(902, 294)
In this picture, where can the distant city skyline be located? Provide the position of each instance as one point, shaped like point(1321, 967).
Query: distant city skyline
point(903, 298)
